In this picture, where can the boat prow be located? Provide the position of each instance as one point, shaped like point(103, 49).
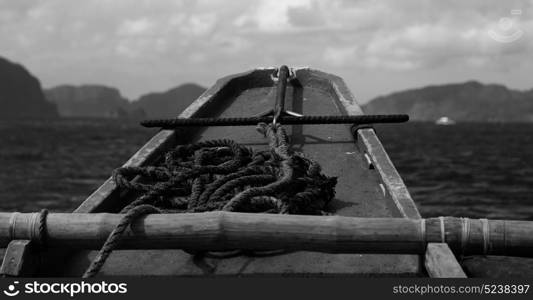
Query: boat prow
point(368, 184)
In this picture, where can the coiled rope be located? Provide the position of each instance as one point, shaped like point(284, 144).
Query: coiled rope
point(223, 175)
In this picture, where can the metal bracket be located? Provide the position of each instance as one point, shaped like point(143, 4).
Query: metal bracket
point(279, 106)
point(356, 127)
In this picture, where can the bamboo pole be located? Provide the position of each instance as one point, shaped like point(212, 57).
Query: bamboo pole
point(217, 231)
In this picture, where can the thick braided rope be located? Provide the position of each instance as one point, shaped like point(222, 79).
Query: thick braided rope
point(278, 143)
point(43, 232)
point(246, 174)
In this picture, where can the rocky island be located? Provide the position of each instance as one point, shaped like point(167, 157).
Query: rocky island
point(21, 96)
point(469, 101)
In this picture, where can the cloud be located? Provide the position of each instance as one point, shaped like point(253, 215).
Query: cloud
point(339, 56)
point(136, 27)
point(271, 16)
point(153, 45)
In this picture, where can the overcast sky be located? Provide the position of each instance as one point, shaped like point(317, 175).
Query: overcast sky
point(376, 46)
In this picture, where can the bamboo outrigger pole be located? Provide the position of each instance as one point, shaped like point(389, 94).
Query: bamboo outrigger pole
point(217, 231)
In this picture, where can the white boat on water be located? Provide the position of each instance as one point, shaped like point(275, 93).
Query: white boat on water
point(444, 121)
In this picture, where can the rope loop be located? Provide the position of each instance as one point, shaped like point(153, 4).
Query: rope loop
point(43, 232)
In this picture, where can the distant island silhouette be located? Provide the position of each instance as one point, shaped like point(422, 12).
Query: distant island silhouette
point(91, 101)
point(170, 103)
point(106, 102)
point(21, 96)
point(469, 101)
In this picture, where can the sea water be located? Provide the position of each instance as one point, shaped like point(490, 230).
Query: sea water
point(469, 169)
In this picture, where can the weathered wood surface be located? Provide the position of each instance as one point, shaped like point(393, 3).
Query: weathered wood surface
point(393, 185)
point(223, 231)
point(441, 263)
point(359, 192)
point(220, 231)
